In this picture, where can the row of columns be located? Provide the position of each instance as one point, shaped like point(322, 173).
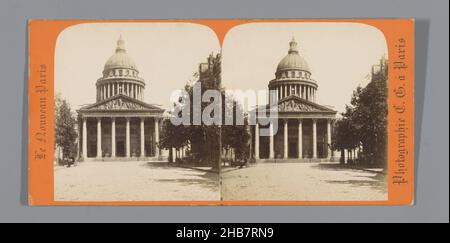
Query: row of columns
point(105, 91)
point(300, 139)
point(303, 91)
point(113, 137)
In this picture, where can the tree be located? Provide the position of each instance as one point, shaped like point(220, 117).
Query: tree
point(204, 140)
point(173, 137)
point(345, 134)
point(236, 135)
point(65, 122)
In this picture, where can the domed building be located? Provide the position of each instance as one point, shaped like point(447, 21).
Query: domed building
point(119, 123)
point(304, 127)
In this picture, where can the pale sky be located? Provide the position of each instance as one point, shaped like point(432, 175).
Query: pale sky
point(340, 56)
point(166, 55)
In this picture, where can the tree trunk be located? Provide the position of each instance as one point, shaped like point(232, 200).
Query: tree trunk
point(170, 155)
point(342, 160)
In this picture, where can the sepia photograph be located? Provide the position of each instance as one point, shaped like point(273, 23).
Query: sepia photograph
point(113, 82)
point(327, 140)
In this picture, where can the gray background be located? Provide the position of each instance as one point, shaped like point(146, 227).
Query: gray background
point(431, 106)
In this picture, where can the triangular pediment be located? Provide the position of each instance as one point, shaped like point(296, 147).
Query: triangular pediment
point(121, 103)
point(296, 104)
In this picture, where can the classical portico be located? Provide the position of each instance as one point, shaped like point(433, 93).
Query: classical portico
point(120, 123)
point(304, 128)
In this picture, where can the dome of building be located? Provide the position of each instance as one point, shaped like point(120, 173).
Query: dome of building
point(120, 76)
point(293, 60)
point(120, 59)
point(293, 77)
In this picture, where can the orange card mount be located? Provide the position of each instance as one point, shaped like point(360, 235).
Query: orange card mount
point(103, 127)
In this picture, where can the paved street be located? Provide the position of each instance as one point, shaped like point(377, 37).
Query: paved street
point(302, 181)
point(131, 180)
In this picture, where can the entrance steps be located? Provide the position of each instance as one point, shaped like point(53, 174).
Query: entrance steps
point(125, 159)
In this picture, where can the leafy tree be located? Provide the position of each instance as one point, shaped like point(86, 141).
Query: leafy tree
point(236, 136)
point(204, 140)
point(345, 134)
point(173, 137)
point(65, 133)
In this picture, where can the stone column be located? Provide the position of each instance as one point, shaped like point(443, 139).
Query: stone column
point(285, 137)
point(156, 137)
point(300, 139)
point(99, 137)
point(142, 138)
point(113, 137)
point(84, 145)
point(127, 139)
point(329, 138)
point(136, 88)
point(271, 144)
point(314, 138)
point(257, 140)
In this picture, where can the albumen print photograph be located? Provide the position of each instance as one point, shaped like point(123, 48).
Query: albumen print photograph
point(328, 138)
point(162, 112)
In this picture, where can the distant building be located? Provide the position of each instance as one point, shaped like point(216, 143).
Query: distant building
point(210, 72)
point(119, 123)
point(305, 127)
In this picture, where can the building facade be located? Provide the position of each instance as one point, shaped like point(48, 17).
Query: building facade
point(119, 124)
point(304, 127)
